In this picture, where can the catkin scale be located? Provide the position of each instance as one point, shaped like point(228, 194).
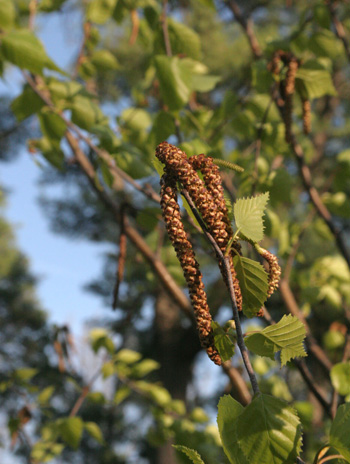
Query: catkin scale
point(289, 90)
point(306, 116)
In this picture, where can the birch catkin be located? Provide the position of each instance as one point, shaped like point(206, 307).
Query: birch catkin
point(208, 198)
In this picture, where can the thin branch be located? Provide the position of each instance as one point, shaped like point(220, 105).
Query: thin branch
point(225, 261)
point(157, 265)
point(80, 58)
point(33, 6)
point(164, 22)
point(121, 257)
point(338, 26)
point(247, 26)
point(237, 383)
point(314, 195)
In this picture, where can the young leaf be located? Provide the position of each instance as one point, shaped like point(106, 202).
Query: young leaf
point(7, 14)
point(339, 434)
point(249, 216)
point(314, 81)
point(253, 281)
point(224, 343)
point(174, 81)
point(45, 395)
point(94, 431)
point(269, 431)
point(286, 336)
point(127, 356)
point(71, 430)
point(99, 11)
point(340, 376)
point(228, 412)
point(190, 453)
point(24, 49)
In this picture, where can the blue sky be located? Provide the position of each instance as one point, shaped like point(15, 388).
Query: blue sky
point(63, 266)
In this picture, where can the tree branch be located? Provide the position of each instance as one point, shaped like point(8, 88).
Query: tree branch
point(247, 26)
point(338, 26)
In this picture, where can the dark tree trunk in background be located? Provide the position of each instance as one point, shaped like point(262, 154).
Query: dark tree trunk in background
point(175, 349)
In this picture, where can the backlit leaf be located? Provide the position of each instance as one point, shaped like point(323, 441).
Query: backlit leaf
point(248, 214)
point(286, 336)
point(339, 434)
point(190, 453)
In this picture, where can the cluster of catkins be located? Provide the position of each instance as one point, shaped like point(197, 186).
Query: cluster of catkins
point(208, 197)
point(287, 90)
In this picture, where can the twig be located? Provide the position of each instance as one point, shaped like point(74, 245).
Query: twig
point(80, 58)
point(338, 26)
point(33, 5)
point(247, 26)
point(135, 26)
point(101, 153)
point(164, 22)
point(258, 144)
point(237, 382)
point(225, 260)
point(157, 265)
point(314, 196)
point(121, 257)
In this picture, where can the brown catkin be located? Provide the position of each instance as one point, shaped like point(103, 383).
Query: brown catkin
point(189, 264)
point(306, 116)
point(289, 90)
point(178, 165)
point(274, 269)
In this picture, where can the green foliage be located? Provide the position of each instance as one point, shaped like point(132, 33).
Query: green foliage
point(286, 336)
point(22, 48)
point(340, 376)
point(224, 341)
point(248, 214)
point(253, 282)
point(190, 453)
point(7, 14)
point(339, 436)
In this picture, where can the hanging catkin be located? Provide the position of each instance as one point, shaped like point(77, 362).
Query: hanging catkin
point(208, 198)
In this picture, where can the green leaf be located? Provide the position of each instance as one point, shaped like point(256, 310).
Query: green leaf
point(183, 40)
point(174, 81)
point(107, 369)
point(199, 415)
point(45, 451)
point(104, 60)
point(144, 367)
point(200, 81)
point(208, 3)
point(224, 341)
point(51, 124)
point(253, 281)
point(121, 394)
point(135, 119)
point(26, 104)
point(163, 127)
point(99, 11)
point(63, 90)
point(340, 376)
point(269, 431)
point(286, 336)
point(314, 81)
point(7, 14)
point(22, 48)
point(71, 430)
point(249, 216)
point(25, 373)
point(45, 395)
point(94, 431)
point(339, 434)
point(190, 453)
point(50, 149)
point(86, 113)
point(127, 356)
point(158, 394)
point(229, 411)
point(99, 338)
